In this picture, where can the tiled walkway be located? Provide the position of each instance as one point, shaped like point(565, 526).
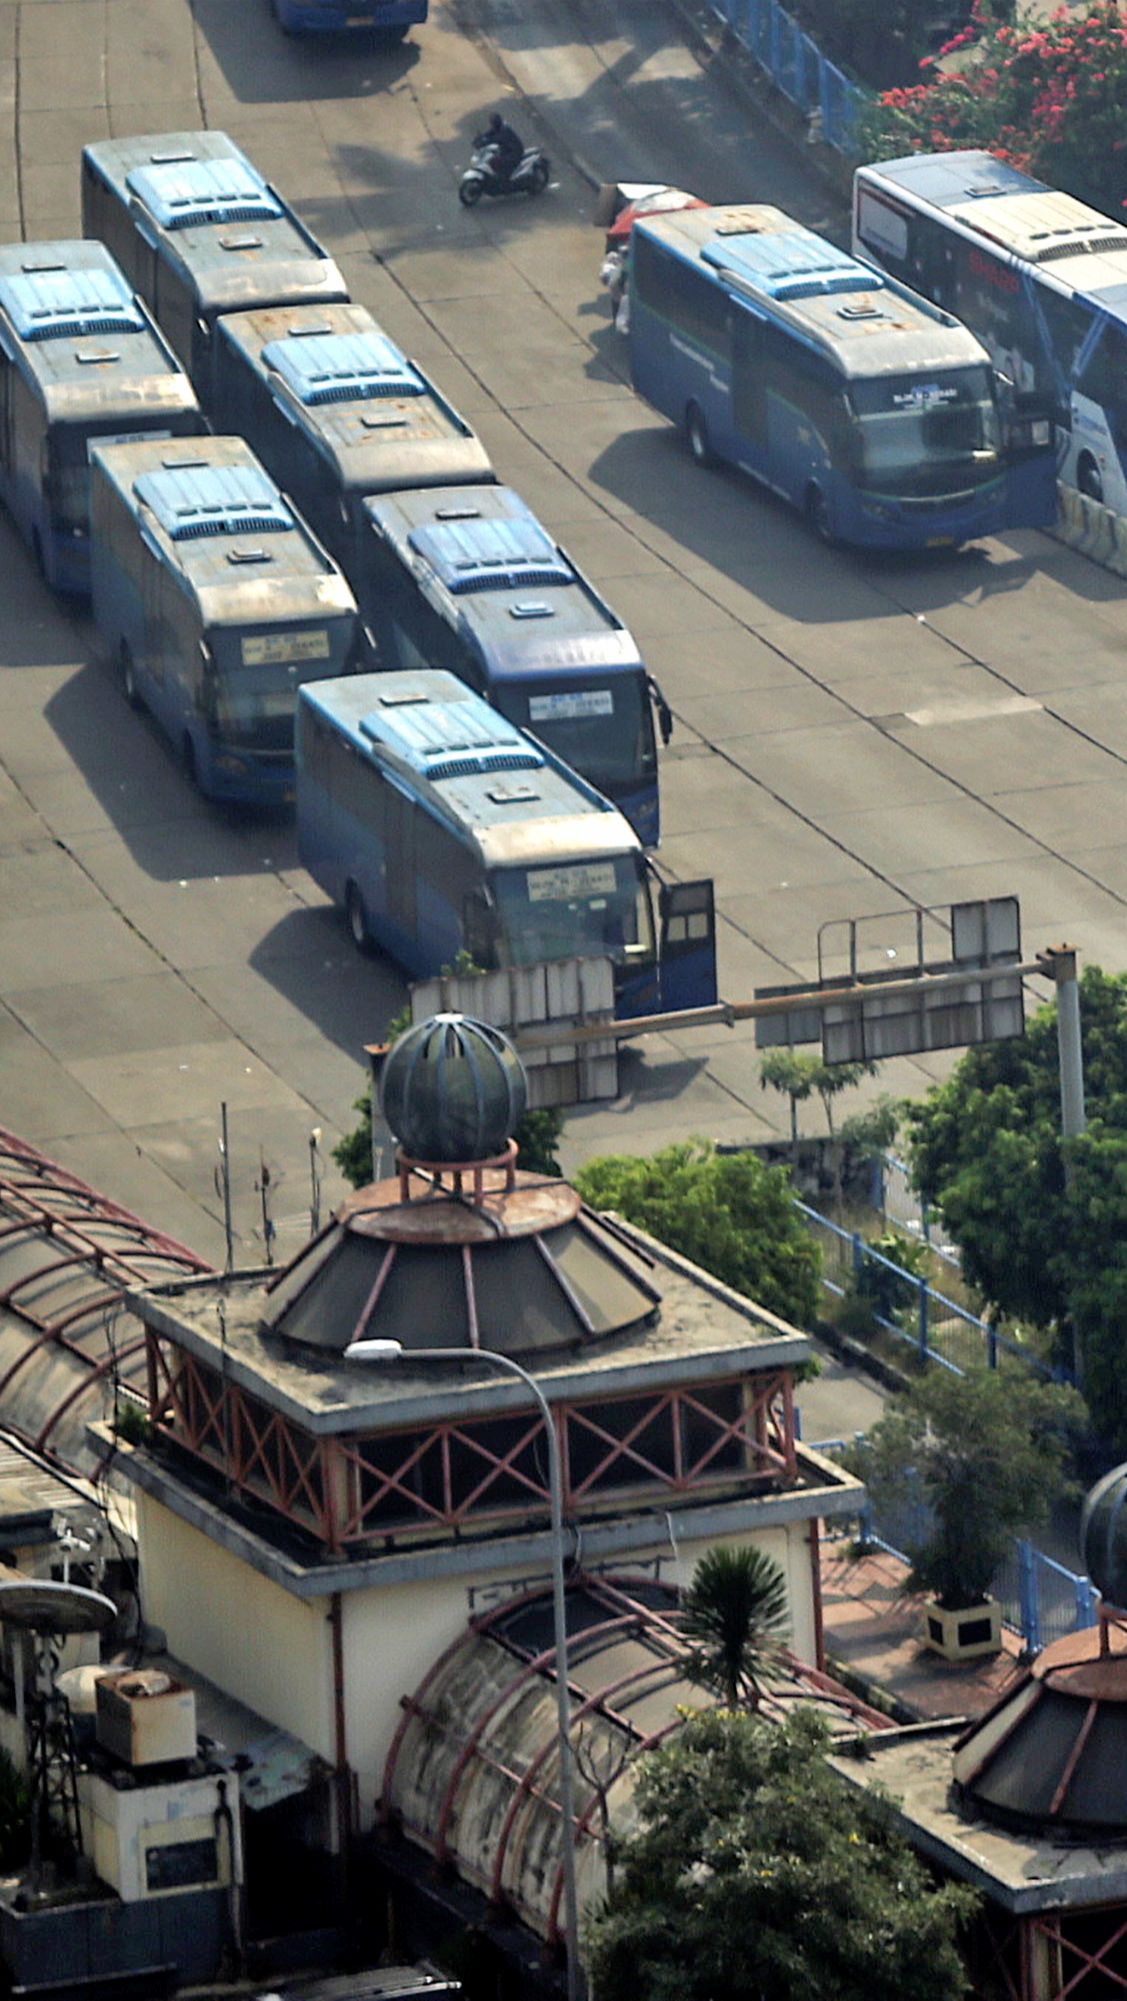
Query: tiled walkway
point(873, 1629)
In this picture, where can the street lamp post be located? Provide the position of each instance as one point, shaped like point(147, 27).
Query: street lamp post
point(392, 1351)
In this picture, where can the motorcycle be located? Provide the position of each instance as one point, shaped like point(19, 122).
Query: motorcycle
point(530, 176)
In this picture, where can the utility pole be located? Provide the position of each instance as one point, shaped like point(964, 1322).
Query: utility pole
point(1060, 963)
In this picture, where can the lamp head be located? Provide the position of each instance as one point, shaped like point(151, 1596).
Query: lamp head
point(373, 1351)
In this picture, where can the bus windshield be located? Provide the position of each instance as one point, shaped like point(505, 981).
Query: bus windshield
point(915, 434)
point(251, 703)
point(606, 732)
point(575, 910)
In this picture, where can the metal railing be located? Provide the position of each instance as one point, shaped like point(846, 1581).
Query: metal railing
point(907, 1306)
point(1040, 1599)
point(797, 66)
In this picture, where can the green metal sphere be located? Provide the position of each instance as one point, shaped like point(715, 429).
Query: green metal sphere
point(453, 1089)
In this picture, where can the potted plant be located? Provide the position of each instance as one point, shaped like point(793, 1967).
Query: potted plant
point(983, 1455)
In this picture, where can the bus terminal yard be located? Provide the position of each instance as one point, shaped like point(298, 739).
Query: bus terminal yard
point(853, 735)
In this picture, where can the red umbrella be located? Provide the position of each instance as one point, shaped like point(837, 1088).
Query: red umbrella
point(661, 202)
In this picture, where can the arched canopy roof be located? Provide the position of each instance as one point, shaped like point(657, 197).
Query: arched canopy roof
point(473, 1774)
point(67, 1255)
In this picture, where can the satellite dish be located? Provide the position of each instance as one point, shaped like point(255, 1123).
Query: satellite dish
point(42, 1605)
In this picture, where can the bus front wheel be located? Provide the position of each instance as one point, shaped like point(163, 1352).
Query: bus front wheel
point(1088, 477)
point(128, 675)
point(818, 514)
point(356, 918)
point(696, 431)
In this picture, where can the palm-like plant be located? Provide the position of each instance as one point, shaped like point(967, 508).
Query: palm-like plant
point(734, 1613)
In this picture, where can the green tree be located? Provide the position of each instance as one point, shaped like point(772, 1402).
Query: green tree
point(757, 1874)
point(986, 1150)
point(799, 1076)
point(1048, 95)
point(729, 1212)
point(735, 1613)
point(986, 1454)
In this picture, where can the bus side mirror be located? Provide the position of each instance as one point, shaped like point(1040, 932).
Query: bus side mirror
point(663, 711)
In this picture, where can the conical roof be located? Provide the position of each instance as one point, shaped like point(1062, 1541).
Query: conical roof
point(520, 1265)
point(1052, 1753)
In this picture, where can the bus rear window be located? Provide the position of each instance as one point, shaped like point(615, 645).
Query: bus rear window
point(605, 731)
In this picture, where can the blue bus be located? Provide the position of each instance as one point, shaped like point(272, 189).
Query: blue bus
point(873, 411)
point(439, 827)
point(1040, 278)
point(79, 360)
point(466, 578)
point(387, 20)
point(335, 412)
point(199, 233)
point(214, 603)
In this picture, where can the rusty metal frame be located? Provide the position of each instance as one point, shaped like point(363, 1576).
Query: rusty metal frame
point(1053, 1927)
point(193, 1405)
point(255, 1447)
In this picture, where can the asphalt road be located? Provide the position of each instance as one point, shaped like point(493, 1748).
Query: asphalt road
point(853, 736)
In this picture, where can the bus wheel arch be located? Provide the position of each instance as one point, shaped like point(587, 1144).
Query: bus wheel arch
point(817, 512)
point(696, 434)
point(188, 758)
point(356, 917)
point(1089, 478)
point(37, 555)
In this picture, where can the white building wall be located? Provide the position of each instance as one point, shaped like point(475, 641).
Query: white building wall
point(246, 1634)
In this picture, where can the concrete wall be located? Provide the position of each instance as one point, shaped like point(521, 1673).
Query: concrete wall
point(274, 1652)
point(267, 1648)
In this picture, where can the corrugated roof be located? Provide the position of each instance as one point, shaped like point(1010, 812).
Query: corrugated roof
point(67, 1255)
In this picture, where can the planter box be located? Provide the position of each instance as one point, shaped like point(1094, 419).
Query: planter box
point(965, 1634)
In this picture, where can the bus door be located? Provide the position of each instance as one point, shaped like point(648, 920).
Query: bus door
point(686, 944)
point(1031, 458)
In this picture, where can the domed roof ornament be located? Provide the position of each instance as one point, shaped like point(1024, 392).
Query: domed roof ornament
point(453, 1090)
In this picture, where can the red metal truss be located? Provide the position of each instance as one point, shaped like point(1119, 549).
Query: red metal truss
point(1084, 1970)
point(350, 1491)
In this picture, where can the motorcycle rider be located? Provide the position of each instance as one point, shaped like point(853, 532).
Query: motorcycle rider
point(507, 145)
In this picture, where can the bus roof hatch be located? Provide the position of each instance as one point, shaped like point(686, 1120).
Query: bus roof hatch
point(341, 368)
point(196, 500)
point(179, 193)
point(490, 554)
point(54, 303)
point(790, 265)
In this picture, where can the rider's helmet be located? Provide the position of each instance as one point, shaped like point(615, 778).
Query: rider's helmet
point(495, 122)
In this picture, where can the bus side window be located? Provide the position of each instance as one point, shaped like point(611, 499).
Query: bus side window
point(174, 312)
point(1103, 379)
point(749, 393)
point(6, 420)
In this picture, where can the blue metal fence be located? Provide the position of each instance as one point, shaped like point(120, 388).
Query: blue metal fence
point(1040, 1598)
point(796, 64)
point(937, 1326)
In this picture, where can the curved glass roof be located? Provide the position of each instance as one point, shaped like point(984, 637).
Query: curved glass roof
point(67, 1256)
point(473, 1774)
